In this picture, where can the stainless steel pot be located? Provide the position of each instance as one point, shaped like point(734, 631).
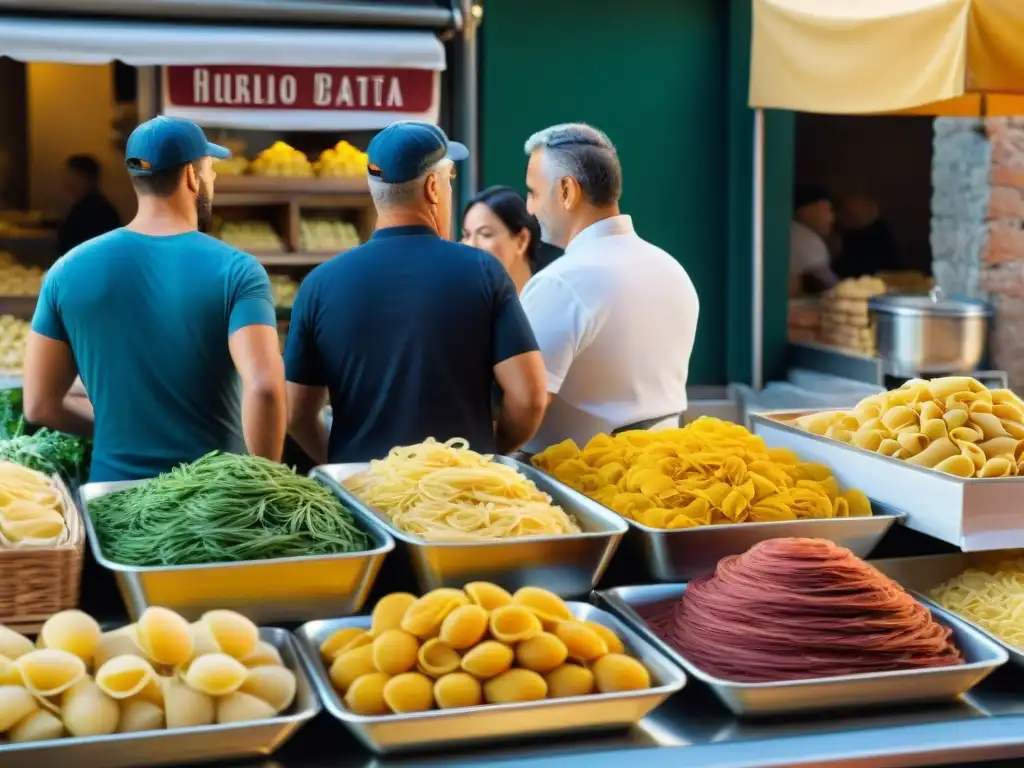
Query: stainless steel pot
point(930, 334)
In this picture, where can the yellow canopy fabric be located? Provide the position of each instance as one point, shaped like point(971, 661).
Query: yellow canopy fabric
point(927, 57)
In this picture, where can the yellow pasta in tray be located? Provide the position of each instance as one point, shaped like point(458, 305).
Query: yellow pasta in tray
point(953, 424)
point(709, 472)
point(991, 597)
point(31, 509)
point(446, 492)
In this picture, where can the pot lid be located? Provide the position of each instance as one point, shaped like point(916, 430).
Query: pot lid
point(932, 304)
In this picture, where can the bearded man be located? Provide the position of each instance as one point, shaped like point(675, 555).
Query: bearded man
point(172, 331)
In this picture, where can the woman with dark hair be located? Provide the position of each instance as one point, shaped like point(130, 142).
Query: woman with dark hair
point(497, 221)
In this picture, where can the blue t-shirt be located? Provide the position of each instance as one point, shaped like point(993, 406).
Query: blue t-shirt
point(148, 319)
point(405, 331)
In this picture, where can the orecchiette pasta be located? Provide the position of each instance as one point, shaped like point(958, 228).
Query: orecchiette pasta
point(953, 424)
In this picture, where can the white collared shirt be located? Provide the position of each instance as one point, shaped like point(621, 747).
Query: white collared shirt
point(615, 318)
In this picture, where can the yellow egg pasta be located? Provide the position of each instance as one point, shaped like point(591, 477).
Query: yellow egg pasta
point(446, 492)
point(992, 598)
point(31, 509)
point(953, 424)
point(709, 472)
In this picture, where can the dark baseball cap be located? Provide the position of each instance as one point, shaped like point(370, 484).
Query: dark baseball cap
point(168, 142)
point(405, 150)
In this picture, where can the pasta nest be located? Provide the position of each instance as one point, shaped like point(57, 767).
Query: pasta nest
point(709, 472)
point(446, 492)
point(953, 424)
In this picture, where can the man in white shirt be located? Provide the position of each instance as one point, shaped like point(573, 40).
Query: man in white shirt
point(616, 316)
point(810, 265)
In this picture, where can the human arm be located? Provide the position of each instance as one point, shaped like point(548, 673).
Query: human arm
point(518, 369)
point(255, 351)
point(50, 370)
point(307, 391)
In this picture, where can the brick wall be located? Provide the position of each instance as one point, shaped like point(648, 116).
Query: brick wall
point(978, 224)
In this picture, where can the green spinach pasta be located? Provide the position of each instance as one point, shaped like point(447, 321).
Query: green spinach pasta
point(223, 508)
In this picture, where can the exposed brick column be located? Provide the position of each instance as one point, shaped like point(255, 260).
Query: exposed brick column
point(978, 224)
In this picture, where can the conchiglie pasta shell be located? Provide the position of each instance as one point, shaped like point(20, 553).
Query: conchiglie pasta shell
point(582, 641)
point(203, 641)
point(266, 656)
point(365, 696)
point(38, 726)
point(88, 711)
point(437, 659)
point(344, 639)
point(424, 617)
point(394, 651)
point(13, 645)
point(139, 715)
point(216, 674)
point(514, 623)
point(488, 596)
point(515, 685)
point(233, 633)
point(570, 680)
point(185, 707)
point(16, 703)
point(610, 638)
point(118, 643)
point(618, 672)
point(9, 674)
point(350, 665)
point(274, 685)
point(541, 653)
point(124, 676)
point(464, 627)
point(49, 672)
point(457, 689)
point(72, 631)
point(488, 659)
point(165, 636)
point(388, 612)
point(241, 707)
point(548, 606)
point(409, 692)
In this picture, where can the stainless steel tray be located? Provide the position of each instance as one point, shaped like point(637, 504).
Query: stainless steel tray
point(183, 745)
point(569, 565)
point(444, 729)
point(973, 514)
point(267, 591)
point(921, 575)
point(684, 554)
point(981, 655)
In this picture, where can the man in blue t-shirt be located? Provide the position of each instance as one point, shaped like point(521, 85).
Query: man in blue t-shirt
point(173, 332)
point(408, 333)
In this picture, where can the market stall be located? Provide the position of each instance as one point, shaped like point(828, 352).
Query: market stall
point(956, 59)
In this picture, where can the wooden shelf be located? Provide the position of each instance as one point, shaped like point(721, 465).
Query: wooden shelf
point(289, 186)
point(293, 259)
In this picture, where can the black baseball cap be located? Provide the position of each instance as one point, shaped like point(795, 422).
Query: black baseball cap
point(405, 150)
point(168, 142)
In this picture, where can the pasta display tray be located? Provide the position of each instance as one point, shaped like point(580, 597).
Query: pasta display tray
point(183, 745)
point(267, 591)
point(981, 656)
point(569, 565)
point(446, 728)
point(921, 575)
point(684, 554)
point(974, 514)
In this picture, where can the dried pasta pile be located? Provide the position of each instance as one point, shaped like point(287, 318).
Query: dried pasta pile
point(159, 673)
point(954, 424)
point(446, 492)
point(709, 472)
point(991, 598)
point(31, 508)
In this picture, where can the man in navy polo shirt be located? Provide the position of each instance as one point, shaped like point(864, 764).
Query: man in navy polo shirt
point(408, 333)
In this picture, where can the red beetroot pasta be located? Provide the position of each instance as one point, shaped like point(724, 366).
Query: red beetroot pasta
point(799, 609)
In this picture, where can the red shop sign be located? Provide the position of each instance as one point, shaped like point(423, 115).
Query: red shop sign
point(327, 89)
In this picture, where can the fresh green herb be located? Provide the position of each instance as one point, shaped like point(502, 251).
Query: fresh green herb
point(12, 419)
point(223, 508)
point(44, 450)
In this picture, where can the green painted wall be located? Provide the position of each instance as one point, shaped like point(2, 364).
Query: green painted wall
point(667, 81)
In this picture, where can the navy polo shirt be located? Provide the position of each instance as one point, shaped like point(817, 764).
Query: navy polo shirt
point(405, 331)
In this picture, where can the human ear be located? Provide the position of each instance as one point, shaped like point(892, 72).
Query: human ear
point(432, 189)
point(191, 178)
point(570, 192)
point(522, 241)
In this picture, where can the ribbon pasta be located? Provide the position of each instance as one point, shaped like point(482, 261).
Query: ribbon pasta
point(953, 424)
point(446, 492)
point(710, 472)
point(991, 598)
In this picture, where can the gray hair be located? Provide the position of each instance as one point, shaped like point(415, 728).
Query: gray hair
point(584, 153)
point(400, 195)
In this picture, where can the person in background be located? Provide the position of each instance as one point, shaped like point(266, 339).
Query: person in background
point(173, 332)
point(868, 245)
point(90, 214)
point(615, 316)
point(407, 334)
point(497, 221)
point(810, 264)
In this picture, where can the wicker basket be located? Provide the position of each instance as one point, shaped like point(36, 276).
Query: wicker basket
point(35, 583)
